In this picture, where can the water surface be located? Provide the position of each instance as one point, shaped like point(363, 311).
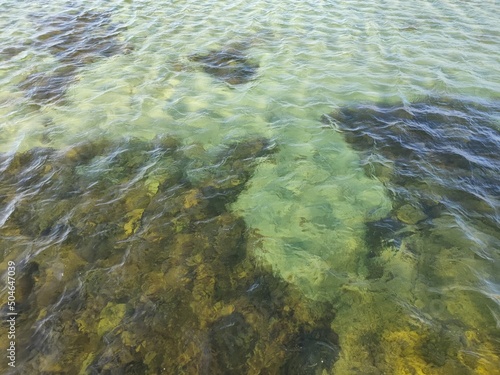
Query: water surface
point(256, 188)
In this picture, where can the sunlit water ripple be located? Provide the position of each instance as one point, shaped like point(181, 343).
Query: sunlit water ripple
point(251, 187)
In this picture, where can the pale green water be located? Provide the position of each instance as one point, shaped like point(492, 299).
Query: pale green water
point(306, 207)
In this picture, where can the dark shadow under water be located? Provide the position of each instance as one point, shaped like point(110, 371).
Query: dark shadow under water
point(229, 64)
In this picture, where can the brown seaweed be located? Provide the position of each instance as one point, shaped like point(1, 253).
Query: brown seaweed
point(154, 276)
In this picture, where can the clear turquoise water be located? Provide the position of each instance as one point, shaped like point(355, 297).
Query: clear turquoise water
point(425, 285)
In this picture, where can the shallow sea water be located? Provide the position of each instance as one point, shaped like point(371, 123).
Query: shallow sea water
point(251, 188)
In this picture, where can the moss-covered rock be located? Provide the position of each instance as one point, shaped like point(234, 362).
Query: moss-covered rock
point(110, 317)
point(410, 214)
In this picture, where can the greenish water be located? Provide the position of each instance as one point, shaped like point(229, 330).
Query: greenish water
point(251, 188)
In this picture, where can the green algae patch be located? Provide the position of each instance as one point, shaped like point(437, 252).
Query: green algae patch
point(310, 215)
point(110, 317)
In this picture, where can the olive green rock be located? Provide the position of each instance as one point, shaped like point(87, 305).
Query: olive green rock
point(110, 317)
point(410, 214)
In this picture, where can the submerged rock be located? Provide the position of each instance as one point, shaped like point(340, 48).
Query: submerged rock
point(9, 52)
point(79, 38)
point(44, 87)
point(309, 215)
point(440, 150)
point(382, 233)
point(229, 64)
point(131, 279)
point(314, 353)
point(74, 40)
point(410, 214)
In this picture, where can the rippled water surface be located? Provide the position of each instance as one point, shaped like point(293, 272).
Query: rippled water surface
point(251, 187)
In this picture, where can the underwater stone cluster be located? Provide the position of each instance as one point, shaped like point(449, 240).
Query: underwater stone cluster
point(131, 267)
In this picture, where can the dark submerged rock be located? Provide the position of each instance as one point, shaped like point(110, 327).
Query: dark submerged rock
point(313, 353)
point(46, 87)
point(229, 64)
point(442, 151)
point(80, 38)
point(232, 340)
point(382, 233)
point(74, 40)
point(10, 52)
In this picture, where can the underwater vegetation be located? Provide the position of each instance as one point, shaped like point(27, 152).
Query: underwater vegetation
point(441, 150)
point(130, 266)
point(229, 64)
point(74, 40)
point(429, 305)
point(131, 260)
